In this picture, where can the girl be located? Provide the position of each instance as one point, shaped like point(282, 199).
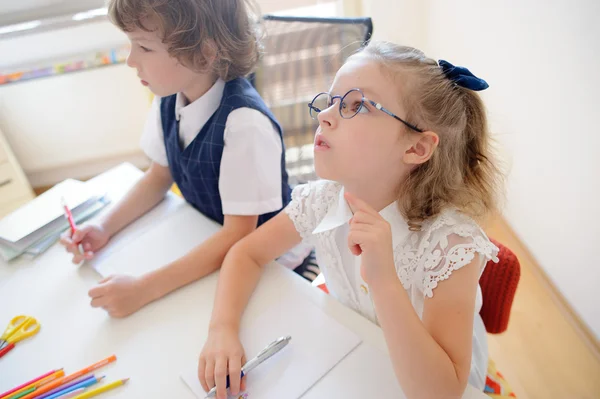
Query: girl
point(404, 146)
point(208, 130)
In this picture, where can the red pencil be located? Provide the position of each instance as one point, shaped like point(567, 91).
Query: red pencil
point(5, 394)
point(69, 217)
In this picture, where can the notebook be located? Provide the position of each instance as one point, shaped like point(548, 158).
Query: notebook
point(82, 214)
point(37, 225)
point(42, 210)
point(318, 344)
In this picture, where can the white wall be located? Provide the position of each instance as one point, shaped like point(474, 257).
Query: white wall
point(64, 125)
point(12, 11)
point(37, 48)
point(399, 21)
point(542, 61)
point(77, 124)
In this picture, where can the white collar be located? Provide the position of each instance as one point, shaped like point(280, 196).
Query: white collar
point(339, 214)
point(199, 112)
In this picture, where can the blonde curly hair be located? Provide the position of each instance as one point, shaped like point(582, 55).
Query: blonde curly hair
point(462, 172)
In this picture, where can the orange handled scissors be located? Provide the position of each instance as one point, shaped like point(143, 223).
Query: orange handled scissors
point(19, 328)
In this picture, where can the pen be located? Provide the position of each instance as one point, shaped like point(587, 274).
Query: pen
point(69, 217)
point(265, 354)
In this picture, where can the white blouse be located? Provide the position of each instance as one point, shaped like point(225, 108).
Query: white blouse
point(422, 258)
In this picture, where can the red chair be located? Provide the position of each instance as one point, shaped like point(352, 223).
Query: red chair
point(498, 286)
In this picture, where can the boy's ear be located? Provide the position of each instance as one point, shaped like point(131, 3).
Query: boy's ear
point(421, 148)
point(209, 52)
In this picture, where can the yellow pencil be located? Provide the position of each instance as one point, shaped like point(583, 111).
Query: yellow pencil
point(101, 389)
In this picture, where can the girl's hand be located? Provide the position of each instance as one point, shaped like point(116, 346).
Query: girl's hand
point(371, 237)
point(222, 356)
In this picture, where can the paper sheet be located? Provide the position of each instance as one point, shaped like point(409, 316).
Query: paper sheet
point(318, 343)
point(367, 364)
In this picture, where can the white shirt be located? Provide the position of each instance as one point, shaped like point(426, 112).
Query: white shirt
point(445, 243)
point(250, 177)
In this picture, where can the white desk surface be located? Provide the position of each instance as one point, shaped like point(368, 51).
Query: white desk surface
point(155, 344)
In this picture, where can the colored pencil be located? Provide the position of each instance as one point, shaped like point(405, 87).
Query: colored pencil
point(71, 377)
point(63, 387)
point(72, 394)
point(5, 394)
point(101, 389)
point(46, 380)
point(88, 382)
point(25, 392)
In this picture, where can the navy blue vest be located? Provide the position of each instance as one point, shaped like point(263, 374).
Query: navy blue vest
point(196, 169)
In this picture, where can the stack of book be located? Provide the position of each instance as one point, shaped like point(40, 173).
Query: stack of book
point(37, 225)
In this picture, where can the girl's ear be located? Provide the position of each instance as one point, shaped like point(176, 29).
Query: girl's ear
point(422, 147)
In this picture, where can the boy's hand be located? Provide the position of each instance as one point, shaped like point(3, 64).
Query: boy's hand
point(120, 295)
point(222, 356)
point(371, 237)
point(92, 236)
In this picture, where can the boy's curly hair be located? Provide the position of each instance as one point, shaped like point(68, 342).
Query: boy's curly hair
point(222, 35)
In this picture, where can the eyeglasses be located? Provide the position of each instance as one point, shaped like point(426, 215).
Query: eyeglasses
point(351, 104)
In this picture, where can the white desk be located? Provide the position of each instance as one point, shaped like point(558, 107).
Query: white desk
point(154, 344)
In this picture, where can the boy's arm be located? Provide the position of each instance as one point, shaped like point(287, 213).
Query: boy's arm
point(200, 261)
point(122, 295)
point(142, 197)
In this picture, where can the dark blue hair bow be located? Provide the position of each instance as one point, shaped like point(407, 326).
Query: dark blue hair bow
point(462, 76)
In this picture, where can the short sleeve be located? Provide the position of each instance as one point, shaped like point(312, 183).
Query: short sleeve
point(309, 204)
point(250, 174)
point(452, 247)
point(152, 141)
